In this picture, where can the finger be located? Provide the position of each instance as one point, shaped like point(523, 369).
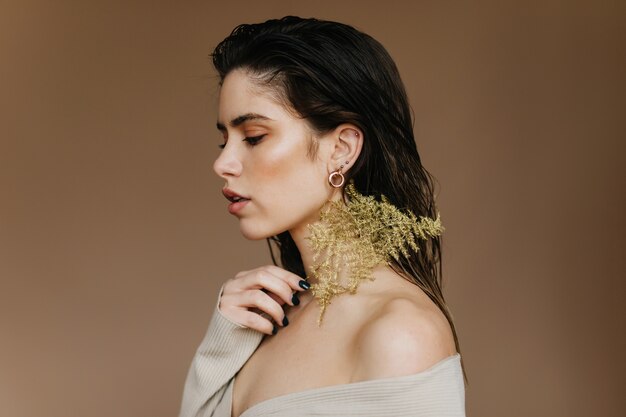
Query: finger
point(276, 298)
point(271, 283)
point(295, 281)
point(241, 273)
point(262, 301)
point(255, 321)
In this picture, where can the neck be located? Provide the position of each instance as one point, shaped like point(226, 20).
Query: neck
point(300, 235)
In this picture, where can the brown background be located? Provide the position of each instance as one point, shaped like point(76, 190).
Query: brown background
point(114, 236)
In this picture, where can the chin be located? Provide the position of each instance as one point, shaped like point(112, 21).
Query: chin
point(256, 232)
point(253, 236)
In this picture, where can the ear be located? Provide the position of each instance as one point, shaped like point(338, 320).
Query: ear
point(348, 142)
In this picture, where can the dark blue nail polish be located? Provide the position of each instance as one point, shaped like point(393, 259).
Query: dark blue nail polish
point(285, 321)
point(294, 299)
point(274, 329)
point(304, 285)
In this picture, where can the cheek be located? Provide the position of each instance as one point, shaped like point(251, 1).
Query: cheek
point(278, 162)
point(288, 182)
point(290, 189)
point(283, 164)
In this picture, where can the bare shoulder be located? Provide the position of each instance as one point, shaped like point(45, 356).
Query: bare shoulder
point(404, 337)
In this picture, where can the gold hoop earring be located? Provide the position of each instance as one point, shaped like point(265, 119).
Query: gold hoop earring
point(335, 174)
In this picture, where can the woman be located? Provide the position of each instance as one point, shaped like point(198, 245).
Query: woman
point(319, 158)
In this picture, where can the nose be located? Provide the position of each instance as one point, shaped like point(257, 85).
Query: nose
point(227, 164)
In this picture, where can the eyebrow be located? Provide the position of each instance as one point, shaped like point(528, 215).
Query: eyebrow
point(242, 119)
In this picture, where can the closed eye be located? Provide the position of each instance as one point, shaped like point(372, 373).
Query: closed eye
point(252, 140)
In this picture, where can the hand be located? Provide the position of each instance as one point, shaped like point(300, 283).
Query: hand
point(267, 289)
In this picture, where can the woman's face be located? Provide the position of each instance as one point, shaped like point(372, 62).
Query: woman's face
point(285, 188)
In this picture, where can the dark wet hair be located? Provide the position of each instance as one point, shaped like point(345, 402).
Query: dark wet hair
point(330, 73)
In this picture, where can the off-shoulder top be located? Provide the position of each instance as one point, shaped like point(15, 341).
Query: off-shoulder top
point(437, 391)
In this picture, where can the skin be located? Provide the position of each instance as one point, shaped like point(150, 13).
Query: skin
point(365, 336)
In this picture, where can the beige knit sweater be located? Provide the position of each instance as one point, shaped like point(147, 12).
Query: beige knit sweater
point(436, 392)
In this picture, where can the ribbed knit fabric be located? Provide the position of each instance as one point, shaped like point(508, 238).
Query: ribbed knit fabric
point(436, 392)
point(223, 351)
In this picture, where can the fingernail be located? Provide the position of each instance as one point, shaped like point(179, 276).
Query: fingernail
point(274, 329)
point(303, 284)
point(294, 299)
point(285, 321)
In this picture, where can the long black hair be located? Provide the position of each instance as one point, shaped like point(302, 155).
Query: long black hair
point(330, 73)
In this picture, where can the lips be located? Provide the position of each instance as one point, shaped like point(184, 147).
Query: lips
point(232, 196)
point(234, 208)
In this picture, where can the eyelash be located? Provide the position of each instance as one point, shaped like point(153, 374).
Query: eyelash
point(253, 140)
